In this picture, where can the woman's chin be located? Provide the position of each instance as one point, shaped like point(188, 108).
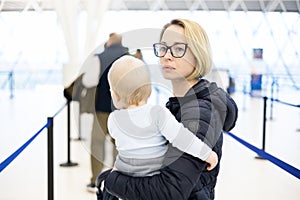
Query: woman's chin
point(168, 77)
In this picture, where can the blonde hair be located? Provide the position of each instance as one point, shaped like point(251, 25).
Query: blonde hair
point(198, 43)
point(129, 78)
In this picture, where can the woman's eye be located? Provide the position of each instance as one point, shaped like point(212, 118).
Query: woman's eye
point(162, 49)
point(179, 49)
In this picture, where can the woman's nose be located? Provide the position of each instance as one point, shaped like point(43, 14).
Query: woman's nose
point(168, 54)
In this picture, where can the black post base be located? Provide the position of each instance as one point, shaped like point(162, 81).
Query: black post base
point(260, 158)
point(68, 164)
point(78, 139)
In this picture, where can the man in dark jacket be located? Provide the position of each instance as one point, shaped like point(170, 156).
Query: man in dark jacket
point(103, 105)
point(205, 110)
point(92, 90)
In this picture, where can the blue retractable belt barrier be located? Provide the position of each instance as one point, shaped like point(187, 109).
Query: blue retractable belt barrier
point(282, 102)
point(290, 169)
point(272, 99)
point(7, 161)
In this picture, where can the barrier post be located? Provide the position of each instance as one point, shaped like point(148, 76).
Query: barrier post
point(298, 129)
point(264, 125)
point(69, 163)
point(50, 159)
point(272, 97)
point(79, 124)
point(244, 96)
point(11, 83)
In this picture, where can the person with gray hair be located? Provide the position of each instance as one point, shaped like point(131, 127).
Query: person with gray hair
point(103, 105)
point(91, 90)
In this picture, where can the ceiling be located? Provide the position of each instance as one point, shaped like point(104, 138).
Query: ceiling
point(192, 5)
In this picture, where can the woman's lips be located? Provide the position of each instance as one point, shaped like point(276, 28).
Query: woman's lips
point(168, 68)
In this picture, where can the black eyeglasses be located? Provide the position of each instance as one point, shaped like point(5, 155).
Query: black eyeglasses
point(177, 50)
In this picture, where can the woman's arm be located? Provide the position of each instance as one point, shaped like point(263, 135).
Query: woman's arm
point(175, 181)
point(182, 171)
point(180, 137)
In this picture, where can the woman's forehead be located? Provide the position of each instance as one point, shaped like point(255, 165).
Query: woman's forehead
point(173, 34)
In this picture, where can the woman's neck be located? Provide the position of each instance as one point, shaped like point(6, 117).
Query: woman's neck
point(180, 87)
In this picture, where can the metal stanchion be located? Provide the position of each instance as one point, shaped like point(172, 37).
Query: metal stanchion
point(298, 129)
point(50, 159)
point(244, 96)
point(69, 163)
point(79, 124)
point(11, 84)
point(274, 83)
point(264, 126)
point(272, 97)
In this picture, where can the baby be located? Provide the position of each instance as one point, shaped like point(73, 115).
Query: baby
point(142, 131)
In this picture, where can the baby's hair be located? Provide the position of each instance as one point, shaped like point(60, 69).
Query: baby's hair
point(129, 78)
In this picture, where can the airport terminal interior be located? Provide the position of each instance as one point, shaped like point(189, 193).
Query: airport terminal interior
point(44, 45)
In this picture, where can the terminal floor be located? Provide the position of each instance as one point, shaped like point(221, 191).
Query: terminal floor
point(242, 176)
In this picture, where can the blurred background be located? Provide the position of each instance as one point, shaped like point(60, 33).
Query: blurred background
point(44, 44)
point(42, 39)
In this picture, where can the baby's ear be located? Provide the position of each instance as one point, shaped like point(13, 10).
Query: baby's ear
point(116, 95)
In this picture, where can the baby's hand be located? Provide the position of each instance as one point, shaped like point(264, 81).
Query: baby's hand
point(212, 160)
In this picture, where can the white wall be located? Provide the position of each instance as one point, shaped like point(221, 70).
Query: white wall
point(34, 40)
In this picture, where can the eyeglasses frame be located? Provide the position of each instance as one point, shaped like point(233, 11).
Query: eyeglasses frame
point(169, 47)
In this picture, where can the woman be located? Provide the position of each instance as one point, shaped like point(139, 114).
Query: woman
point(201, 106)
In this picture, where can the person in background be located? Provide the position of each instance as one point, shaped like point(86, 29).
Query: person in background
point(201, 106)
point(103, 106)
point(138, 54)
